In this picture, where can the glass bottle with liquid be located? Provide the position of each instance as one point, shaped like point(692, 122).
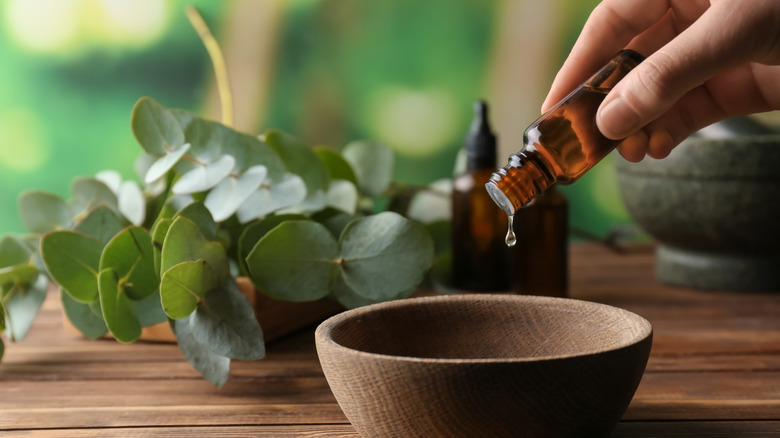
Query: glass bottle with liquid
point(480, 260)
point(542, 254)
point(561, 145)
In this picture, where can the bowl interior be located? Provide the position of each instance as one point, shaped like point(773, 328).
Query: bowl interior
point(487, 327)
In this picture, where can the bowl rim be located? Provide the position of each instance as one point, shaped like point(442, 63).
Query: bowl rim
point(323, 334)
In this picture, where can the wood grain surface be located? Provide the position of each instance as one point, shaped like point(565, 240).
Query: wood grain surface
point(714, 371)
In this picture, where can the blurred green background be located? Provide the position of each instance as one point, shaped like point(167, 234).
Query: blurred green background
point(404, 73)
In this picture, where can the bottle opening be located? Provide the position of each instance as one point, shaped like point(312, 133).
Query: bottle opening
point(500, 198)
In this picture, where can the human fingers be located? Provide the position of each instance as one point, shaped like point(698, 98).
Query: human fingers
point(718, 41)
point(634, 147)
point(610, 28)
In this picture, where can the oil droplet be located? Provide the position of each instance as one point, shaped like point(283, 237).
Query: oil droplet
point(510, 238)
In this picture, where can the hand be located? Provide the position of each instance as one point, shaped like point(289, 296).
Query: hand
point(706, 61)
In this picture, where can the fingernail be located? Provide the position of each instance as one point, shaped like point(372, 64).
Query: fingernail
point(617, 120)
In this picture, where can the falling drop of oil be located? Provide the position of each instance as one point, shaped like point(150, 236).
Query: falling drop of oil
point(510, 238)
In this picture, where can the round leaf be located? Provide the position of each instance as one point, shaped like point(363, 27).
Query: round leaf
point(13, 251)
point(213, 367)
point(225, 323)
point(198, 213)
point(131, 202)
point(205, 176)
point(23, 305)
point(183, 286)
point(296, 261)
point(42, 212)
point(118, 310)
point(373, 165)
point(342, 195)
point(72, 259)
point(82, 317)
point(156, 129)
point(165, 163)
point(384, 255)
point(254, 232)
point(337, 166)
point(130, 256)
point(185, 242)
point(101, 223)
point(150, 310)
point(289, 191)
point(299, 159)
point(229, 194)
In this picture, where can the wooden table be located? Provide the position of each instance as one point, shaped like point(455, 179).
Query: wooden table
point(714, 371)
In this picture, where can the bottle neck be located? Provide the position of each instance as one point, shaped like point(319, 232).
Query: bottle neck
point(519, 182)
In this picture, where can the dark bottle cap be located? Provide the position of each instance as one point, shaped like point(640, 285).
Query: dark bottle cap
point(480, 141)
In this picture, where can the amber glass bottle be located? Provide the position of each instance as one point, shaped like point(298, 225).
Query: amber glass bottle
point(480, 259)
point(542, 253)
point(564, 143)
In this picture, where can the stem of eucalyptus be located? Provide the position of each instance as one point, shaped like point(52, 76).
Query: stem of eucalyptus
point(217, 60)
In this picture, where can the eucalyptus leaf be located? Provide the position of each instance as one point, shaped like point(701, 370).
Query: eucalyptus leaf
point(299, 159)
point(351, 300)
point(290, 191)
point(373, 166)
point(213, 367)
point(13, 251)
point(256, 230)
point(21, 303)
point(226, 198)
point(156, 129)
point(118, 309)
point(82, 317)
point(101, 223)
point(73, 259)
point(111, 178)
point(149, 310)
point(198, 213)
point(295, 261)
point(225, 322)
point(204, 176)
point(204, 136)
point(185, 242)
point(433, 204)
point(314, 202)
point(21, 274)
point(250, 151)
point(159, 168)
point(42, 212)
point(337, 166)
point(384, 255)
point(89, 193)
point(334, 220)
point(130, 256)
point(183, 286)
point(131, 202)
point(159, 231)
point(342, 195)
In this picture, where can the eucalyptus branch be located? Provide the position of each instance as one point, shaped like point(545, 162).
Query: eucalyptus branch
point(217, 60)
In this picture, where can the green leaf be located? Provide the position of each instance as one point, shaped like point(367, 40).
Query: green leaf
point(225, 323)
point(213, 367)
point(89, 193)
point(21, 304)
point(183, 286)
point(101, 223)
point(249, 151)
point(288, 192)
point(256, 230)
point(373, 165)
point(130, 256)
point(342, 195)
point(338, 167)
point(185, 243)
point(118, 309)
point(198, 213)
point(159, 230)
point(82, 317)
point(131, 202)
point(334, 220)
point(13, 251)
point(384, 255)
point(226, 198)
point(72, 259)
point(21, 274)
point(155, 128)
point(165, 163)
point(204, 176)
point(351, 300)
point(295, 261)
point(299, 159)
point(42, 212)
point(150, 310)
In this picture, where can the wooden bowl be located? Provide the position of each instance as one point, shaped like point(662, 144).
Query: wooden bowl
point(484, 365)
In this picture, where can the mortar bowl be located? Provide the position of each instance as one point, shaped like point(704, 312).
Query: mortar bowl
point(477, 365)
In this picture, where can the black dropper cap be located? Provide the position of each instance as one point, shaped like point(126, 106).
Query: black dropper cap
point(480, 141)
